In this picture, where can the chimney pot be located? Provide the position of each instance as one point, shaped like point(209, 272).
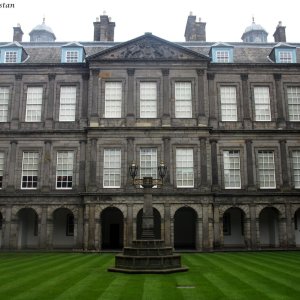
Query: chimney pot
point(18, 33)
point(279, 34)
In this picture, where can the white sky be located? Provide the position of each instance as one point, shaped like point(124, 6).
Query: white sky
point(225, 20)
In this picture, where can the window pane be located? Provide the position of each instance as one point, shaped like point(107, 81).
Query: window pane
point(148, 100)
point(232, 172)
point(148, 162)
point(112, 168)
point(293, 95)
point(285, 57)
point(266, 169)
point(296, 168)
point(30, 167)
point(34, 104)
point(113, 99)
point(67, 103)
point(228, 103)
point(72, 56)
point(1, 168)
point(184, 168)
point(222, 56)
point(262, 104)
point(183, 100)
point(64, 169)
point(11, 56)
point(4, 98)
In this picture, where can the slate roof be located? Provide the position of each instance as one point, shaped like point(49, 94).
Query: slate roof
point(46, 52)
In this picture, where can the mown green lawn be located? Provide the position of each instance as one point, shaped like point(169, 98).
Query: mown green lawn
point(258, 276)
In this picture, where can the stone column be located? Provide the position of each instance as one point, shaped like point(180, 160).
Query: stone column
point(290, 232)
point(203, 164)
point(130, 159)
point(130, 118)
point(217, 237)
point(7, 223)
point(202, 118)
point(167, 159)
point(49, 229)
point(284, 165)
point(205, 227)
point(86, 226)
point(13, 235)
point(47, 167)
point(246, 102)
point(84, 103)
point(247, 232)
point(12, 165)
point(212, 101)
point(91, 221)
point(253, 228)
point(93, 165)
point(283, 241)
point(167, 219)
point(199, 232)
point(80, 220)
point(214, 165)
point(280, 106)
point(50, 101)
point(82, 165)
point(250, 165)
point(16, 102)
point(94, 87)
point(166, 118)
point(97, 232)
point(129, 220)
point(43, 230)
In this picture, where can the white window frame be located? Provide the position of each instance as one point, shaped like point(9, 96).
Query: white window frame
point(293, 97)
point(71, 56)
point(113, 99)
point(4, 102)
point(296, 168)
point(30, 170)
point(232, 169)
point(34, 103)
point(112, 168)
point(148, 162)
point(2, 156)
point(184, 167)
point(183, 99)
point(67, 103)
point(285, 57)
point(262, 103)
point(222, 56)
point(266, 169)
point(10, 56)
point(148, 99)
point(228, 103)
point(64, 170)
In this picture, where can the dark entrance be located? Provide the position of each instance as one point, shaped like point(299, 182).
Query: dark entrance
point(185, 228)
point(112, 228)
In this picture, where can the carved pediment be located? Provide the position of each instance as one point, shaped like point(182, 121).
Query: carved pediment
point(147, 47)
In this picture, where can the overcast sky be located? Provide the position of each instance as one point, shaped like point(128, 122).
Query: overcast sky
point(225, 20)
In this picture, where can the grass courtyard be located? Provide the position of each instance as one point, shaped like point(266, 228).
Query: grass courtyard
point(263, 275)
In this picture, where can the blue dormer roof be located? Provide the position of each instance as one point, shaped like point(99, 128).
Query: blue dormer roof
point(283, 53)
point(12, 53)
point(72, 53)
point(221, 53)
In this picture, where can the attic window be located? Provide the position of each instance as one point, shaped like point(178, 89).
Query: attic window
point(10, 57)
point(222, 56)
point(285, 57)
point(72, 56)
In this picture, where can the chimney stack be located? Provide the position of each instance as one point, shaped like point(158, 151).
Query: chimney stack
point(18, 34)
point(194, 31)
point(104, 30)
point(279, 34)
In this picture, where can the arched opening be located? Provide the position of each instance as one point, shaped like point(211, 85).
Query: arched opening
point(1, 226)
point(269, 227)
point(157, 224)
point(112, 225)
point(297, 227)
point(233, 228)
point(28, 229)
point(185, 228)
point(63, 229)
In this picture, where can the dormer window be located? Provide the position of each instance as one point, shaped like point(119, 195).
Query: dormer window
point(222, 56)
point(72, 53)
point(10, 56)
point(221, 53)
point(283, 53)
point(72, 56)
